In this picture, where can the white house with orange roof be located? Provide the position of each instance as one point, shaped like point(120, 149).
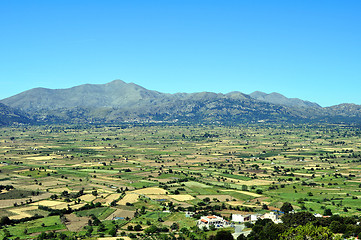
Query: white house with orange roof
point(216, 221)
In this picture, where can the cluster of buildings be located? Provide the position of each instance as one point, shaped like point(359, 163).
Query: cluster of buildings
point(241, 218)
point(216, 221)
point(219, 222)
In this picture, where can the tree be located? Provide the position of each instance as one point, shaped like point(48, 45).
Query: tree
point(5, 221)
point(137, 228)
point(174, 226)
point(223, 235)
point(308, 231)
point(241, 237)
point(265, 229)
point(299, 218)
point(113, 232)
point(327, 212)
point(152, 229)
point(101, 227)
point(286, 207)
point(337, 227)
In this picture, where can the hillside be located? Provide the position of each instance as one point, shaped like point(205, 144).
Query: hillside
point(114, 94)
point(118, 101)
point(279, 99)
point(9, 116)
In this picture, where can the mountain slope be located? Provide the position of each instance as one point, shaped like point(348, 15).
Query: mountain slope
point(279, 99)
point(118, 101)
point(9, 116)
point(114, 94)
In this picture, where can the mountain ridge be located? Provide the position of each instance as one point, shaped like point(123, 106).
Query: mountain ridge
point(118, 101)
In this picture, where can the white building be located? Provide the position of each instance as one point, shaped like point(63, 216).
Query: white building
point(255, 217)
point(273, 216)
point(207, 221)
point(239, 218)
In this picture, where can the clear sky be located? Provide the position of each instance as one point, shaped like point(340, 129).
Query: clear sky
point(306, 49)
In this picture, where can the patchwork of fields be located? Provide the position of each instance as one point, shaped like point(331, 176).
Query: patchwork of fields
point(68, 177)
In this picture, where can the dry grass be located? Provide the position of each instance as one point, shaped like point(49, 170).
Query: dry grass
point(21, 212)
point(10, 202)
point(130, 198)
point(43, 157)
point(48, 203)
point(111, 198)
point(254, 182)
point(182, 198)
point(59, 190)
point(97, 148)
point(153, 191)
point(240, 203)
point(245, 193)
point(151, 196)
point(52, 183)
point(222, 198)
point(87, 197)
point(121, 213)
point(76, 223)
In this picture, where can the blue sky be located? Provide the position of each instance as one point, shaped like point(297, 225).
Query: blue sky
point(305, 49)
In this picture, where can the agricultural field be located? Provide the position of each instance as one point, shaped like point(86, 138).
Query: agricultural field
point(123, 181)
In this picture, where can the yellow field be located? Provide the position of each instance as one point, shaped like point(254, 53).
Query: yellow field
point(254, 182)
point(222, 198)
point(59, 190)
point(184, 197)
point(130, 198)
point(43, 157)
point(57, 204)
point(48, 203)
point(153, 191)
point(96, 148)
point(87, 197)
point(245, 193)
point(77, 206)
point(52, 183)
point(158, 196)
point(111, 198)
point(121, 213)
point(240, 203)
point(21, 212)
point(88, 164)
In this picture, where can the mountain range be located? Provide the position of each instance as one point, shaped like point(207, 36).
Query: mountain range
point(118, 101)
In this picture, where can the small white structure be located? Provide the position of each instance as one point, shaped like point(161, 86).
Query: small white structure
point(239, 218)
point(273, 216)
point(207, 221)
point(255, 217)
point(317, 215)
point(189, 214)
